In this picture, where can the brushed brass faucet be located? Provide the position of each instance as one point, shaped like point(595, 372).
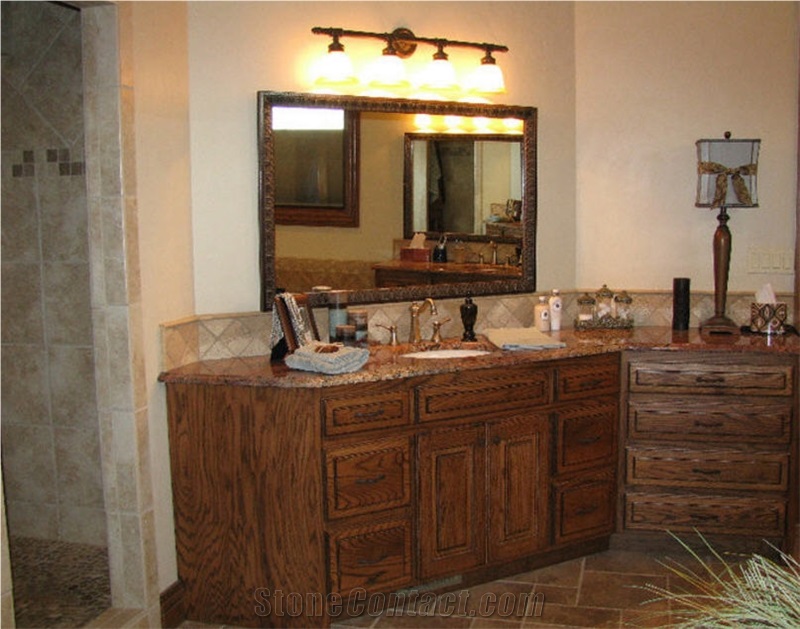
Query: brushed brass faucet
point(416, 310)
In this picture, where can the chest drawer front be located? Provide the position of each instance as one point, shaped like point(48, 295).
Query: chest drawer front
point(371, 411)
point(463, 395)
point(375, 557)
point(708, 469)
point(584, 507)
point(707, 378)
point(708, 514)
point(588, 378)
point(587, 436)
point(709, 419)
point(368, 477)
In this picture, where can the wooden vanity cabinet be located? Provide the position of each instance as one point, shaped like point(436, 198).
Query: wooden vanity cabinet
point(709, 439)
point(387, 485)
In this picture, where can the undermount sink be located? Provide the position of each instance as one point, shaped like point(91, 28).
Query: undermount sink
point(447, 353)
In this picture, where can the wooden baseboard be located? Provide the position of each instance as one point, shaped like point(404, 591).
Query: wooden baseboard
point(173, 610)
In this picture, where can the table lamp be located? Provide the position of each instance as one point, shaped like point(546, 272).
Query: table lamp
point(727, 172)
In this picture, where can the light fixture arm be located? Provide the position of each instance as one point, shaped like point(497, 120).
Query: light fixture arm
point(404, 41)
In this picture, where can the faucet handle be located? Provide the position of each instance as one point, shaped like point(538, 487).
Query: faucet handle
point(392, 332)
point(437, 327)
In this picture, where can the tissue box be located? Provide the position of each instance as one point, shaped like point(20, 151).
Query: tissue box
point(768, 318)
point(415, 255)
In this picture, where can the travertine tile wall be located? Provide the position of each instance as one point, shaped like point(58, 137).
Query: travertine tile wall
point(50, 439)
point(208, 337)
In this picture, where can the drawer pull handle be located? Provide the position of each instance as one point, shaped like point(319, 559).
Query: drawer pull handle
point(373, 562)
point(591, 384)
point(370, 481)
point(710, 380)
point(369, 414)
point(706, 472)
point(587, 441)
point(586, 510)
point(701, 424)
point(375, 577)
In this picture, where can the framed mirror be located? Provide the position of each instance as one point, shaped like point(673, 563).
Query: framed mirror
point(331, 255)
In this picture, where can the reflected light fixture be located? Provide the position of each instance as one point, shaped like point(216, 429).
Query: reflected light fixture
point(727, 172)
point(438, 79)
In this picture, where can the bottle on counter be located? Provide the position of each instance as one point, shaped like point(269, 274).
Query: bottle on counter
point(541, 314)
point(555, 304)
point(337, 311)
point(469, 314)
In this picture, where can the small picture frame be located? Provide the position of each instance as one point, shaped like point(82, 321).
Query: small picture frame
point(297, 320)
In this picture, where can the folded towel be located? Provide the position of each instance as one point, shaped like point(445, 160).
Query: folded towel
point(521, 338)
point(326, 358)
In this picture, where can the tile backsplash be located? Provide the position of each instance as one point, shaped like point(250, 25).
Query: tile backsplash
point(205, 337)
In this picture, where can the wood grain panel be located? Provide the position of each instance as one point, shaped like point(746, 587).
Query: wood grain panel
point(452, 494)
point(481, 393)
point(587, 435)
point(588, 378)
point(711, 378)
point(584, 506)
point(368, 477)
point(518, 482)
point(749, 471)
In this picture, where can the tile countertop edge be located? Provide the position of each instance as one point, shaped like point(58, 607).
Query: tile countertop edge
point(386, 363)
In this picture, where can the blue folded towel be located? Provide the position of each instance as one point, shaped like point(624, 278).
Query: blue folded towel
point(327, 358)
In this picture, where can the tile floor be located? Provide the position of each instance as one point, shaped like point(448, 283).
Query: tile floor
point(601, 590)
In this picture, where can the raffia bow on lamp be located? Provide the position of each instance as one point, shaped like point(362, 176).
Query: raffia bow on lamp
point(727, 173)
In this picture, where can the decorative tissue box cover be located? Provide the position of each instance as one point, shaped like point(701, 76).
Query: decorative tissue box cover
point(768, 318)
point(415, 255)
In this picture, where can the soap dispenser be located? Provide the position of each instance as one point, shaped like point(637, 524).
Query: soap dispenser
point(440, 250)
point(469, 314)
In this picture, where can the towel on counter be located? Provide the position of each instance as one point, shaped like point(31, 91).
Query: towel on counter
point(521, 338)
point(327, 358)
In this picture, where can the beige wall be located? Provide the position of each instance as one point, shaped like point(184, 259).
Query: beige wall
point(654, 77)
point(160, 75)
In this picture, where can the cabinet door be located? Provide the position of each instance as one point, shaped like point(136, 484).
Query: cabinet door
point(518, 483)
point(452, 468)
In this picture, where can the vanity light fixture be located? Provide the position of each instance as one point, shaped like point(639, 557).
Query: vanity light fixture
point(336, 69)
point(439, 78)
point(727, 172)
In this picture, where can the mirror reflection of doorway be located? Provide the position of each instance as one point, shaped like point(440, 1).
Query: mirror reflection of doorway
point(451, 186)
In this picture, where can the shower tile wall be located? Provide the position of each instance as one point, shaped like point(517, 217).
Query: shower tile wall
point(50, 440)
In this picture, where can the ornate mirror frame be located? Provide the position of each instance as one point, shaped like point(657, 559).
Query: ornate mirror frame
point(266, 185)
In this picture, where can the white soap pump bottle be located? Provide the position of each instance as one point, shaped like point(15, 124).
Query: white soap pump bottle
point(555, 310)
point(541, 315)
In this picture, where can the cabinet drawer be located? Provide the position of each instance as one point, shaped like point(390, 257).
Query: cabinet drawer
point(586, 436)
point(708, 514)
point(374, 557)
point(719, 469)
point(710, 378)
point(369, 411)
point(588, 378)
point(710, 419)
point(479, 393)
point(584, 507)
point(368, 477)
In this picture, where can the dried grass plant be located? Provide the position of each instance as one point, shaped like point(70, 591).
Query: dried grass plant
point(755, 592)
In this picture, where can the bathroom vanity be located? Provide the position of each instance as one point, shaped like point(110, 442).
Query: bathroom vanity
point(416, 473)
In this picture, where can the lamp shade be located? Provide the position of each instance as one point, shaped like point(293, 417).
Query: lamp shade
point(727, 173)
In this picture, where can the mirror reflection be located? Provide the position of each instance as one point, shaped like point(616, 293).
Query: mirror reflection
point(463, 184)
point(300, 255)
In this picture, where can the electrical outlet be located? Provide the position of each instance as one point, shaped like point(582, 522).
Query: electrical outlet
point(770, 260)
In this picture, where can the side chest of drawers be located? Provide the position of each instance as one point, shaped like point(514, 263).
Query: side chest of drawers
point(710, 444)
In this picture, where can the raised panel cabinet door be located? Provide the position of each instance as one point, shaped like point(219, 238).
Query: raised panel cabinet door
point(452, 512)
point(518, 483)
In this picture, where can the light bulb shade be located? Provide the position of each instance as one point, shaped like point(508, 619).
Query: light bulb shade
point(336, 69)
point(388, 71)
point(440, 75)
point(487, 79)
point(727, 173)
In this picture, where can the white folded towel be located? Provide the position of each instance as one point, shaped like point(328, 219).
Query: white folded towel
point(326, 358)
point(521, 338)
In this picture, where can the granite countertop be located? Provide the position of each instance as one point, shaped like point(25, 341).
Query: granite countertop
point(387, 363)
